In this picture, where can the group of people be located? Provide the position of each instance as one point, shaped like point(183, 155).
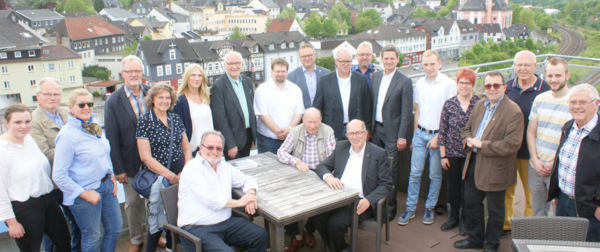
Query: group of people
point(343, 125)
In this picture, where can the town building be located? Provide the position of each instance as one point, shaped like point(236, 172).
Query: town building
point(485, 12)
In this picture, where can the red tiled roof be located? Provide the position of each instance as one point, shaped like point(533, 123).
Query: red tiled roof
point(280, 24)
point(89, 27)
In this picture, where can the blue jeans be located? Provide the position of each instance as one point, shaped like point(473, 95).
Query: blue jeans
point(235, 231)
point(90, 216)
point(419, 153)
point(266, 144)
point(75, 233)
point(566, 207)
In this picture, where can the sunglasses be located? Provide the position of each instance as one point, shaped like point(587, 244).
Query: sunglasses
point(212, 148)
point(495, 86)
point(82, 105)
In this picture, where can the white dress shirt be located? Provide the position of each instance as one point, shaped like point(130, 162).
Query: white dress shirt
point(431, 96)
point(281, 104)
point(203, 192)
point(202, 121)
point(383, 88)
point(24, 173)
point(345, 88)
point(352, 176)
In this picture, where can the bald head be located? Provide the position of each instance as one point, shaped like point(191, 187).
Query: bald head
point(312, 120)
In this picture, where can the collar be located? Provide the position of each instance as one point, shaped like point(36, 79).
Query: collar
point(360, 153)
point(487, 102)
point(536, 86)
point(271, 84)
point(589, 126)
point(369, 69)
point(128, 91)
point(306, 70)
point(389, 75)
point(206, 165)
point(232, 80)
point(338, 76)
point(51, 114)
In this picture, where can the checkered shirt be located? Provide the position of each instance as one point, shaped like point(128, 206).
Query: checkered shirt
point(137, 103)
point(311, 156)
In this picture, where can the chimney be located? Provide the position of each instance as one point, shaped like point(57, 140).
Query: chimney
point(58, 38)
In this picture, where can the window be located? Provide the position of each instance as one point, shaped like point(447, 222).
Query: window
point(32, 83)
point(172, 54)
point(6, 84)
point(72, 78)
point(30, 68)
point(31, 53)
point(95, 42)
point(159, 71)
point(17, 54)
point(168, 70)
point(3, 55)
point(4, 69)
point(114, 40)
point(178, 68)
point(51, 67)
point(100, 41)
point(106, 41)
point(70, 64)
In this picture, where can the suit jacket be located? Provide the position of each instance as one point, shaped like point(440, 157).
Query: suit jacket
point(496, 163)
point(120, 124)
point(397, 105)
point(297, 77)
point(44, 130)
point(230, 120)
point(329, 101)
point(376, 178)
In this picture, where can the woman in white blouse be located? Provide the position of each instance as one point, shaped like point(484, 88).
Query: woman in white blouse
point(25, 203)
point(193, 105)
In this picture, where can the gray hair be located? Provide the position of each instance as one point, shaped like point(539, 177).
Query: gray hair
point(531, 55)
point(339, 51)
point(362, 123)
point(366, 44)
point(585, 87)
point(47, 80)
point(306, 45)
point(131, 58)
point(212, 133)
point(232, 53)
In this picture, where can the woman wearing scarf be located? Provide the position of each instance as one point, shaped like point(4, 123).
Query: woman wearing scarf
point(83, 172)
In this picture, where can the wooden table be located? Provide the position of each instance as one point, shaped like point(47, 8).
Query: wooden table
point(526, 245)
point(286, 195)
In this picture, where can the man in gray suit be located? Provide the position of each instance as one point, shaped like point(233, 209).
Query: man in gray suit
point(392, 112)
point(307, 76)
point(231, 99)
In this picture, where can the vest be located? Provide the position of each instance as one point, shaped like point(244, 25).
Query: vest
point(300, 141)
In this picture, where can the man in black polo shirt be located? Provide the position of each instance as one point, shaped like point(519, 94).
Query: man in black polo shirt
point(522, 90)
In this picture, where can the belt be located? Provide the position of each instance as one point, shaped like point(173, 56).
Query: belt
point(426, 130)
point(105, 178)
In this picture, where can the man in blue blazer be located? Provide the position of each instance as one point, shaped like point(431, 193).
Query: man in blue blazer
point(231, 101)
point(308, 75)
point(342, 96)
point(121, 114)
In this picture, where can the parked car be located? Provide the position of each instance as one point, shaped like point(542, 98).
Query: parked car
point(418, 68)
point(457, 58)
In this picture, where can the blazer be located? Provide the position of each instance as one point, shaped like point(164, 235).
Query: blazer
point(228, 116)
point(44, 130)
point(297, 77)
point(496, 164)
point(397, 105)
point(587, 174)
point(182, 109)
point(376, 178)
point(329, 101)
point(120, 124)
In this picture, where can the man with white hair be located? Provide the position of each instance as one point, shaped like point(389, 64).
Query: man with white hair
point(364, 55)
point(343, 96)
point(575, 175)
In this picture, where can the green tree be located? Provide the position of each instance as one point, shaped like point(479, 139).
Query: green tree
point(268, 23)
point(287, 13)
point(130, 49)
point(421, 13)
point(443, 12)
point(340, 13)
point(516, 13)
point(98, 72)
point(98, 5)
point(329, 28)
point(544, 21)
point(527, 17)
point(373, 15)
point(326, 62)
point(74, 6)
point(530, 45)
point(237, 33)
point(313, 28)
point(452, 3)
point(362, 24)
point(147, 38)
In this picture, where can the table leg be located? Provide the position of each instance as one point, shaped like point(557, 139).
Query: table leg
point(279, 237)
point(354, 227)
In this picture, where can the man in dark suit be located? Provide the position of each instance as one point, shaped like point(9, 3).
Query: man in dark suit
point(392, 112)
point(308, 75)
point(121, 114)
point(231, 99)
point(357, 165)
point(343, 96)
point(492, 137)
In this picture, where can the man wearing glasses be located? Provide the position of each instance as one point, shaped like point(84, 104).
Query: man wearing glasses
point(121, 114)
point(491, 137)
point(231, 101)
point(47, 119)
point(308, 75)
point(364, 55)
point(342, 96)
point(522, 90)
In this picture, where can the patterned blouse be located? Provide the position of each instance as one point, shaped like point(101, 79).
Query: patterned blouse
point(151, 128)
point(451, 123)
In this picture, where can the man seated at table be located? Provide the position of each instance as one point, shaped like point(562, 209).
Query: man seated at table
point(205, 201)
point(307, 145)
point(346, 167)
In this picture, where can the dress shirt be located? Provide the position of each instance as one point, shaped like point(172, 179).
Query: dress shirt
point(569, 153)
point(370, 70)
point(203, 192)
point(202, 121)
point(431, 96)
point(311, 154)
point(24, 173)
point(281, 104)
point(383, 88)
point(56, 118)
point(345, 90)
point(81, 161)
point(238, 88)
point(487, 116)
point(137, 103)
point(311, 82)
point(352, 176)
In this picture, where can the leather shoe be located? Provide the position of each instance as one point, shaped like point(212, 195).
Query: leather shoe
point(505, 233)
point(466, 244)
point(449, 225)
point(490, 249)
point(309, 238)
point(134, 248)
point(294, 244)
point(162, 242)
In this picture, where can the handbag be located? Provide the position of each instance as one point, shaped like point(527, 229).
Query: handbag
point(143, 180)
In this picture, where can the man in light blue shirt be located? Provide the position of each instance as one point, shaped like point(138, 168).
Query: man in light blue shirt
point(307, 76)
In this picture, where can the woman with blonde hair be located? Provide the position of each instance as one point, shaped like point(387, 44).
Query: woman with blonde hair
point(193, 105)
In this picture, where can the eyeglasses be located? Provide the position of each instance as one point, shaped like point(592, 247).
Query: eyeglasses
point(306, 56)
point(212, 148)
point(580, 103)
point(490, 86)
point(233, 63)
point(523, 65)
point(365, 54)
point(82, 105)
point(346, 62)
point(132, 71)
point(465, 83)
point(51, 94)
point(353, 134)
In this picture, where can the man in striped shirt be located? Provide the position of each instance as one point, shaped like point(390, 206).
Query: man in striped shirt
point(549, 112)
